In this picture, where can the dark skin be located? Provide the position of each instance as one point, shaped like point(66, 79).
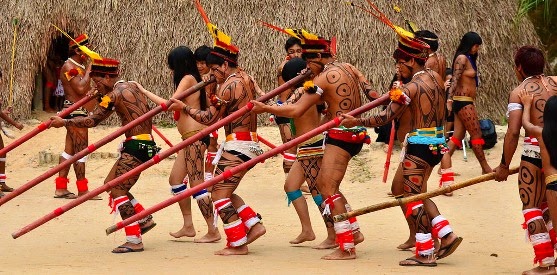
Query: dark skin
point(533, 92)
point(129, 104)
point(427, 109)
point(75, 88)
point(342, 84)
point(4, 115)
point(236, 89)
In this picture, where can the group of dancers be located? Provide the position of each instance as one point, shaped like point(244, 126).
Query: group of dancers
point(419, 100)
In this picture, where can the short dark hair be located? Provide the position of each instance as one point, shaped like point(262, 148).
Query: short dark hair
point(550, 129)
point(217, 57)
point(429, 38)
point(530, 59)
point(202, 52)
point(315, 55)
point(291, 42)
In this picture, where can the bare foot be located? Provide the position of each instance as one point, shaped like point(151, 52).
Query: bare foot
point(326, 244)
point(95, 198)
point(128, 247)
point(419, 261)
point(255, 232)
point(303, 237)
point(358, 237)
point(540, 270)
point(340, 255)
point(185, 231)
point(407, 245)
point(210, 237)
point(241, 250)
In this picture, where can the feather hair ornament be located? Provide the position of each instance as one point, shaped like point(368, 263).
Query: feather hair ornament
point(83, 48)
point(222, 40)
point(308, 40)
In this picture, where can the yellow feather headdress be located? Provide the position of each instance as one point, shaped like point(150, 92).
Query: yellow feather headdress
point(81, 44)
point(311, 43)
point(221, 39)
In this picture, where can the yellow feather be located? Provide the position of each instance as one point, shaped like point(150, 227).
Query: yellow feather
point(402, 32)
point(90, 53)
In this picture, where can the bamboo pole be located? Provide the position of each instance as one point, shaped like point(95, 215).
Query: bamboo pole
point(229, 173)
point(158, 157)
point(423, 196)
point(45, 124)
point(91, 148)
point(389, 152)
point(162, 136)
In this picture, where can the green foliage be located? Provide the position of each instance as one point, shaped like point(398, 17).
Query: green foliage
point(527, 6)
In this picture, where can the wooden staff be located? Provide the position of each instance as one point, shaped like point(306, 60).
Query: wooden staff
point(91, 148)
point(229, 173)
point(158, 157)
point(423, 196)
point(45, 124)
point(162, 136)
point(389, 152)
point(268, 143)
point(15, 22)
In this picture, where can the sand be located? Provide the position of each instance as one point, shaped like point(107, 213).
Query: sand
point(487, 215)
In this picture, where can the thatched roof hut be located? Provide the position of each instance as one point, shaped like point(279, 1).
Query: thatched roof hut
point(140, 34)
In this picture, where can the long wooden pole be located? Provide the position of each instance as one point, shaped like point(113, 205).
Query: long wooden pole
point(389, 152)
point(91, 148)
point(229, 173)
point(162, 136)
point(423, 196)
point(44, 125)
point(158, 157)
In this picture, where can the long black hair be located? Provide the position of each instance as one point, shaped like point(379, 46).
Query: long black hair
point(466, 43)
point(182, 62)
point(549, 131)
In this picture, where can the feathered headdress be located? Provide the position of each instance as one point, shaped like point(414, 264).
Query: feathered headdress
point(408, 44)
point(106, 66)
point(311, 43)
point(223, 46)
point(74, 43)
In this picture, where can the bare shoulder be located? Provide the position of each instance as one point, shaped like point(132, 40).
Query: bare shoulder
point(188, 80)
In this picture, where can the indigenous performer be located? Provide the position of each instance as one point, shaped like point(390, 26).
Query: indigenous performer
point(293, 48)
point(242, 225)
point(4, 115)
point(189, 162)
point(420, 105)
point(128, 102)
point(529, 63)
point(341, 143)
point(200, 56)
point(77, 83)
point(461, 101)
point(308, 160)
point(435, 61)
point(548, 152)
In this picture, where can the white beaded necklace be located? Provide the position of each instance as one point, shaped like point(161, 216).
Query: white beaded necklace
point(76, 63)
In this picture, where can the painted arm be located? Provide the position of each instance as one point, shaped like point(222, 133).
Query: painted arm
point(510, 141)
point(289, 110)
point(532, 129)
point(102, 112)
point(458, 70)
point(81, 84)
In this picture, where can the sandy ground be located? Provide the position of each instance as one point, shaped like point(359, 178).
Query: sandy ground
point(487, 215)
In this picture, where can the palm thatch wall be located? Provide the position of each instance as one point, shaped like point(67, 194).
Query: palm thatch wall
point(140, 34)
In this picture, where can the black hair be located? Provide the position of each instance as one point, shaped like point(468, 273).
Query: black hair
point(292, 68)
point(291, 42)
point(181, 62)
point(315, 55)
point(448, 71)
point(429, 38)
point(395, 78)
point(530, 59)
point(549, 131)
point(202, 52)
point(399, 54)
point(466, 43)
point(217, 57)
point(0, 73)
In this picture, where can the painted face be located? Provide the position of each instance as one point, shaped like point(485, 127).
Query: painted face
point(219, 72)
point(403, 69)
point(202, 67)
point(315, 65)
point(295, 51)
point(100, 84)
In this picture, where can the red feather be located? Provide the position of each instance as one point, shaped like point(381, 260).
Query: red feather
point(273, 27)
point(201, 11)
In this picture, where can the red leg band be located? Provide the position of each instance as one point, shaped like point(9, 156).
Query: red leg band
point(133, 230)
point(456, 141)
point(82, 185)
point(235, 234)
point(138, 208)
point(346, 241)
point(542, 251)
point(248, 216)
point(478, 141)
point(61, 182)
point(411, 206)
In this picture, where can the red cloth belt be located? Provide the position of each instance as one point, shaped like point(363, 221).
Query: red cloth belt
point(349, 137)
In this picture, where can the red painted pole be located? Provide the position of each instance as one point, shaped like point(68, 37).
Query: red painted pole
point(44, 125)
point(389, 152)
point(229, 173)
point(158, 157)
point(162, 136)
point(91, 148)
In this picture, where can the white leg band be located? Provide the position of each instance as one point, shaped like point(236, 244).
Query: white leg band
point(66, 155)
